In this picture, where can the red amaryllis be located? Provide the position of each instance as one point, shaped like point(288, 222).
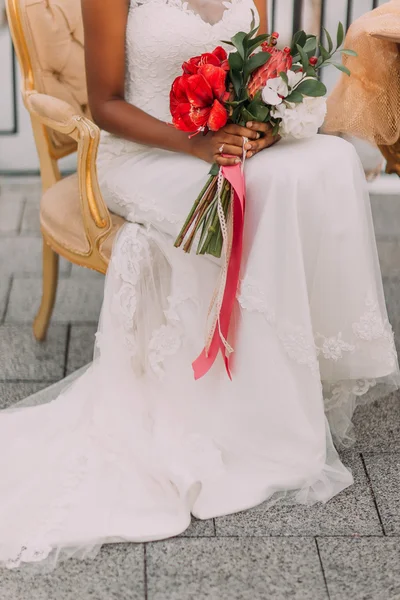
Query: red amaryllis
point(196, 101)
point(281, 60)
point(217, 57)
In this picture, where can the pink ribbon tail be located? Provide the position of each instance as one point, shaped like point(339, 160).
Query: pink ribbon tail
point(205, 361)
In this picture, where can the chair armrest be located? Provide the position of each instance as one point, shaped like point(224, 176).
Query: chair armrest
point(60, 116)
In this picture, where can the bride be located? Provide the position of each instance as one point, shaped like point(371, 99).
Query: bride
point(135, 446)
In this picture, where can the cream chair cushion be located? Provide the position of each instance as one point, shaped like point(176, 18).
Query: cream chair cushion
point(61, 218)
point(55, 37)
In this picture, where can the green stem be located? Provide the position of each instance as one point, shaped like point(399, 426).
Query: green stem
point(193, 213)
point(215, 226)
point(199, 215)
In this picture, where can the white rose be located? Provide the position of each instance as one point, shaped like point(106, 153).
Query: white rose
point(274, 91)
point(301, 120)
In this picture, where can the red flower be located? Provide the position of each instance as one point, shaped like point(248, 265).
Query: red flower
point(196, 100)
point(217, 57)
point(281, 60)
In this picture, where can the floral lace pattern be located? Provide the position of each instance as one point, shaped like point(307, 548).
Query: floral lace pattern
point(305, 349)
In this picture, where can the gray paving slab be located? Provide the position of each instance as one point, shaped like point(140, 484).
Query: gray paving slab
point(5, 284)
point(31, 219)
point(12, 392)
point(10, 215)
point(77, 301)
point(199, 528)
point(392, 294)
point(81, 343)
point(234, 569)
point(351, 512)
point(23, 255)
point(361, 569)
point(116, 574)
point(84, 273)
point(377, 425)
point(384, 472)
point(389, 257)
point(386, 215)
point(24, 358)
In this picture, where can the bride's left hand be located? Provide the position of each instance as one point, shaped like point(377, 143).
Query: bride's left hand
point(265, 140)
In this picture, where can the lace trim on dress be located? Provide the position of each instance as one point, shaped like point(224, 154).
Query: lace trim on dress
point(134, 264)
point(305, 349)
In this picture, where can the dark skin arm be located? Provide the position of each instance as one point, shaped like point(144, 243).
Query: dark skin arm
point(105, 25)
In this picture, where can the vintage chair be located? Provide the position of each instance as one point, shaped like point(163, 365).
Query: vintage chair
point(75, 221)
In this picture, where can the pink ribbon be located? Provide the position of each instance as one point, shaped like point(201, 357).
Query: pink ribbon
point(205, 361)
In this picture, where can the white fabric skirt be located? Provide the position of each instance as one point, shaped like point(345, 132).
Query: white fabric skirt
point(134, 446)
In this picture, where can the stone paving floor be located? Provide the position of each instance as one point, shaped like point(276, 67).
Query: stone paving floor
point(346, 550)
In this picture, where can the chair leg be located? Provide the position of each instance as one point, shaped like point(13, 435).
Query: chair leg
point(50, 280)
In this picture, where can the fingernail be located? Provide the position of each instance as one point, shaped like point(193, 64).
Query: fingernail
point(237, 160)
point(247, 146)
point(258, 135)
point(249, 154)
point(249, 124)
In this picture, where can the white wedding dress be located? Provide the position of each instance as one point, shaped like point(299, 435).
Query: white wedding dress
point(135, 446)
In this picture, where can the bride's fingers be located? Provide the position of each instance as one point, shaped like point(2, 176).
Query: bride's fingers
point(232, 149)
point(265, 142)
point(224, 161)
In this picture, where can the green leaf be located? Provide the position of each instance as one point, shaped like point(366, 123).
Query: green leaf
point(329, 38)
point(247, 115)
point(250, 34)
point(340, 35)
point(256, 61)
point(236, 81)
point(303, 57)
point(237, 41)
point(259, 110)
point(299, 39)
point(310, 45)
point(311, 87)
point(342, 68)
point(295, 97)
point(262, 113)
point(349, 52)
point(235, 61)
point(311, 72)
point(275, 129)
point(256, 42)
point(324, 53)
point(226, 42)
point(253, 20)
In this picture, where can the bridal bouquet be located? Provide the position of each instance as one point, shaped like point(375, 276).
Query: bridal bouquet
point(256, 81)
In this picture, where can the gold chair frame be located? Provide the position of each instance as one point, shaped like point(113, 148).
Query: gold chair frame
point(50, 113)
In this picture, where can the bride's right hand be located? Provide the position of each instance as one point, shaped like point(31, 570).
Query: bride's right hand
point(229, 138)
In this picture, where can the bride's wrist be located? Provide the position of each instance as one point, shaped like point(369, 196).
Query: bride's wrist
point(197, 145)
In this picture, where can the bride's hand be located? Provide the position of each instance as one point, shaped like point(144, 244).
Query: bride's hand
point(228, 140)
point(265, 140)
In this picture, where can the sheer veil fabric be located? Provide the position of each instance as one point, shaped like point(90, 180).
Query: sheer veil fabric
point(129, 449)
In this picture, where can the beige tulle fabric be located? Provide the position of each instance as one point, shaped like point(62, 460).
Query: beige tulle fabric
point(367, 104)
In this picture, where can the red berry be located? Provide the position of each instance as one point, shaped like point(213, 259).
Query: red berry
point(275, 35)
point(313, 61)
point(287, 50)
